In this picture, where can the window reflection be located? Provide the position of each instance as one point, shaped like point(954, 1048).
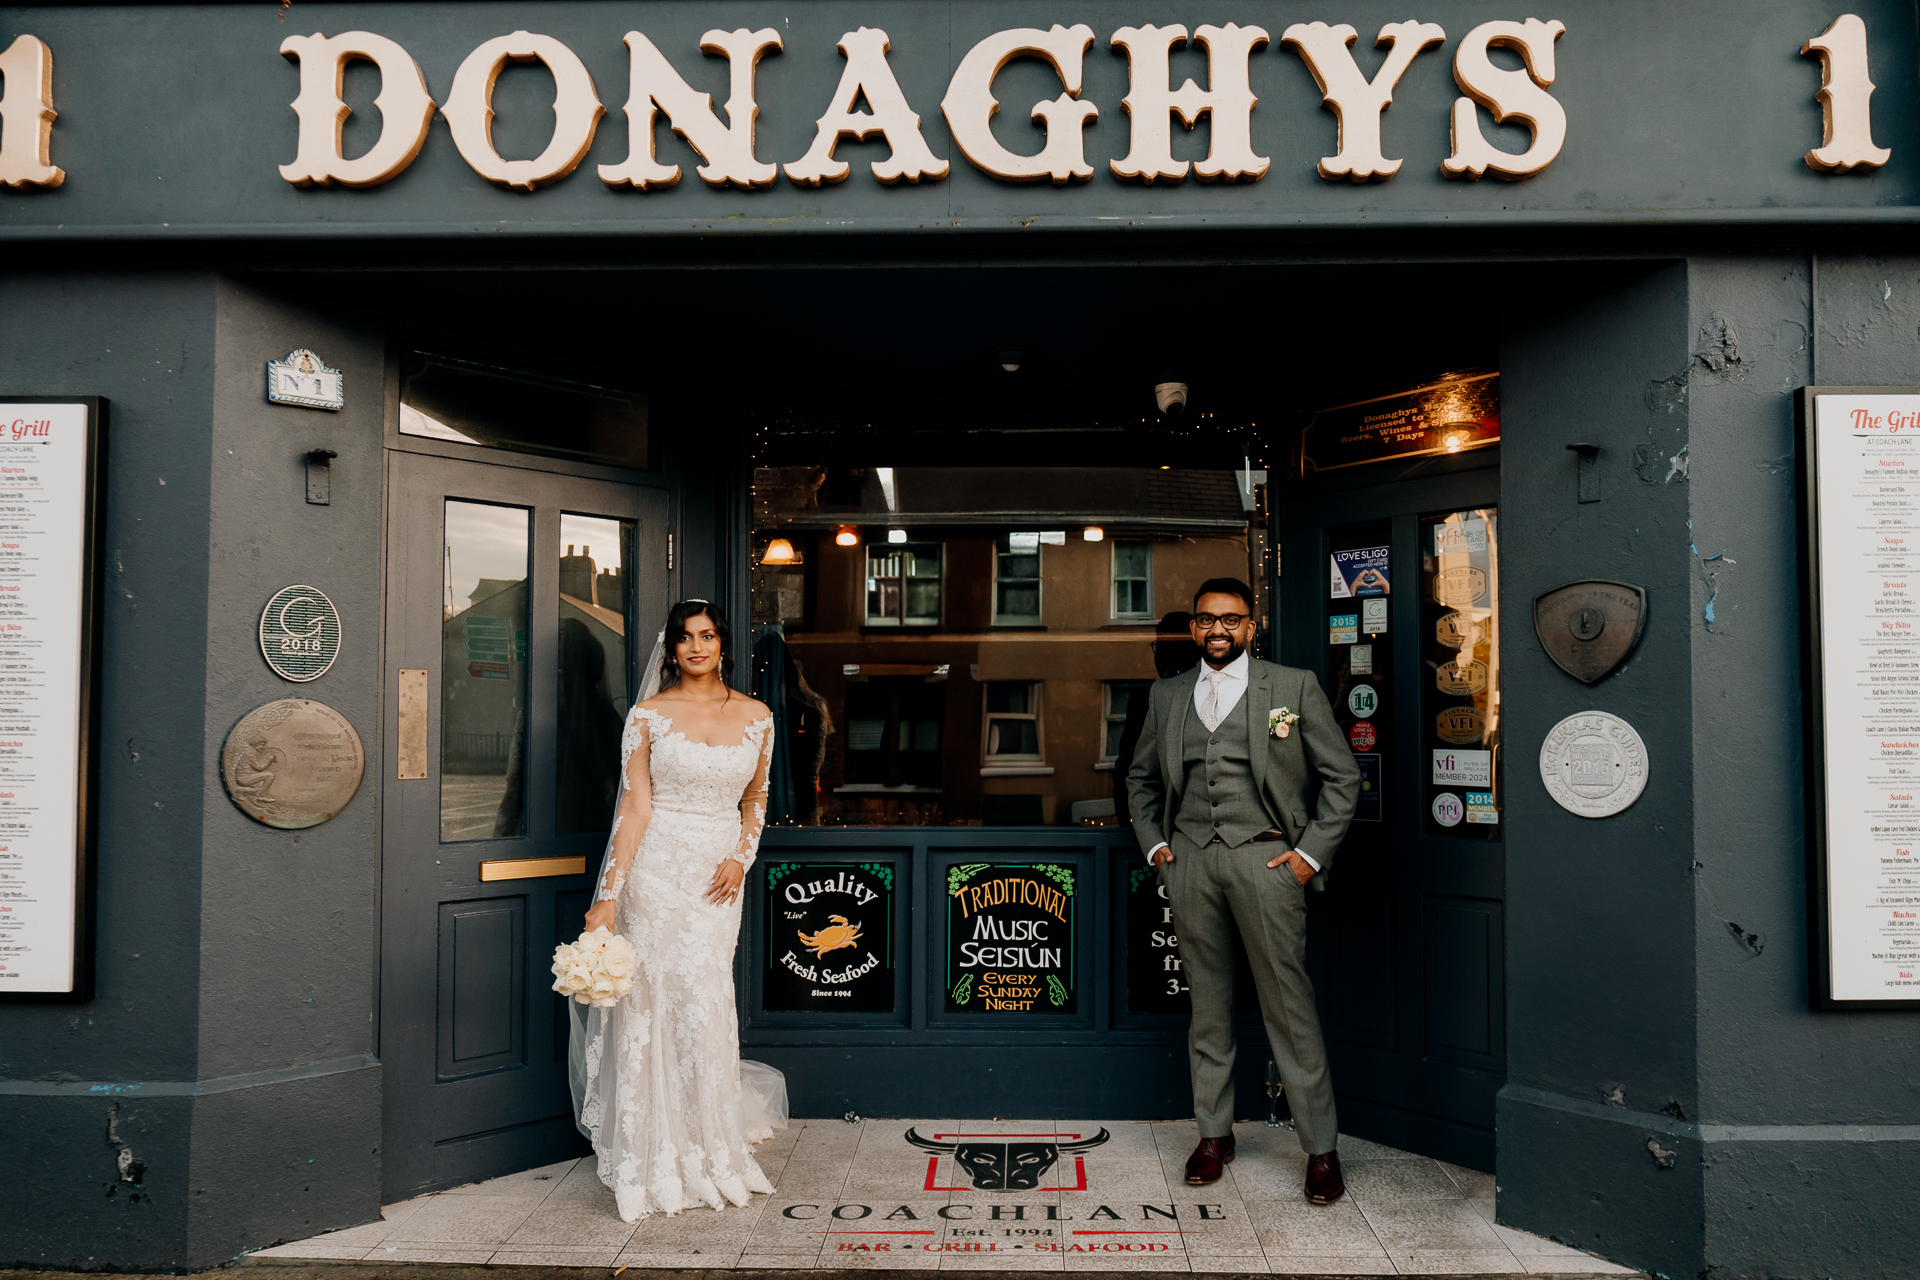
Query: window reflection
point(594, 668)
point(971, 646)
point(483, 672)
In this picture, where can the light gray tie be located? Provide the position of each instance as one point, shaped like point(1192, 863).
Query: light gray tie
point(1210, 705)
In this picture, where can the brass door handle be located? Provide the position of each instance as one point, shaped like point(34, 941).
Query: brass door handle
point(531, 868)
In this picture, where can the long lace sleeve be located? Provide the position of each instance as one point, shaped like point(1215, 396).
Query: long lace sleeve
point(753, 805)
point(636, 804)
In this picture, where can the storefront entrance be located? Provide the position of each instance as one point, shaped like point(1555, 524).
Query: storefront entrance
point(1391, 592)
point(513, 586)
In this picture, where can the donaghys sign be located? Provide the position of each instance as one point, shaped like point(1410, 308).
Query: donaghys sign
point(724, 137)
point(1010, 946)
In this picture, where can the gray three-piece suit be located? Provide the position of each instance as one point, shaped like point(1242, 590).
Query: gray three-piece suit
point(1208, 794)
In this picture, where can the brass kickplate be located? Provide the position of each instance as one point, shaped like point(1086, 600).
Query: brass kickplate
point(529, 868)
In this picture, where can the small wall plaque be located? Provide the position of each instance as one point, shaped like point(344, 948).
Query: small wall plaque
point(1589, 628)
point(292, 764)
point(1593, 764)
point(304, 379)
point(299, 633)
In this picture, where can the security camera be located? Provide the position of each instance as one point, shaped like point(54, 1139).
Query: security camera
point(1171, 397)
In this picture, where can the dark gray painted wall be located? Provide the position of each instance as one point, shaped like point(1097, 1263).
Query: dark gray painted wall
point(228, 1046)
point(174, 120)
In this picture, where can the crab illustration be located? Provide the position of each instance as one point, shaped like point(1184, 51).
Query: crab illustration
point(835, 936)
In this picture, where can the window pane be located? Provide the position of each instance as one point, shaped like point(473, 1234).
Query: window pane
point(1023, 565)
point(1130, 560)
point(1014, 738)
point(1009, 697)
point(447, 399)
point(483, 673)
point(1115, 728)
point(596, 562)
point(1019, 600)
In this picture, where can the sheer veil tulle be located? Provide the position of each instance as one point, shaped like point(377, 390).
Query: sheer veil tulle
point(763, 1089)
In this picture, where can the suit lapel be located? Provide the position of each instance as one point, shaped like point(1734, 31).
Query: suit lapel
point(1173, 743)
point(1258, 702)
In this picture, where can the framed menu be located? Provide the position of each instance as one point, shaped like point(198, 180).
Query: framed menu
point(1860, 588)
point(51, 451)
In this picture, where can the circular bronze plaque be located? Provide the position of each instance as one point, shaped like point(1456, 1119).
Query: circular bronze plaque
point(292, 763)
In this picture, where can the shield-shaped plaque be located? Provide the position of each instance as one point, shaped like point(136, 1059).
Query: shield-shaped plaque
point(1589, 628)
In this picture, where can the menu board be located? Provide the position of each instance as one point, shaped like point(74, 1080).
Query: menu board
point(1861, 508)
point(829, 938)
point(1010, 946)
point(49, 457)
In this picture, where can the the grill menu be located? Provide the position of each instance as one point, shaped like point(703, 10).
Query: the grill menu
point(43, 512)
point(1868, 476)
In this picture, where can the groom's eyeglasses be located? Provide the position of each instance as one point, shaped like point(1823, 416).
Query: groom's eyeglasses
point(1231, 621)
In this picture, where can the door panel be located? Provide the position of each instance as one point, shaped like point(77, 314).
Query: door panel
point(1407, 944)
point(516, 590)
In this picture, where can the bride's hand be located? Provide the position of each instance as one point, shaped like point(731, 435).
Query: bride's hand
point(601, 917)
point(727, 878)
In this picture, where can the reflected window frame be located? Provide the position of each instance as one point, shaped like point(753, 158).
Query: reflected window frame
point(1002, 552)
point(1112, 717)
point(1035, 713)
point(909, 552)
point(1116, 579)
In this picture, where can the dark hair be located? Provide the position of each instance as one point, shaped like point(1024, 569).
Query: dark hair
point(1224, 587)
point(1173, 648)
point(676, 629)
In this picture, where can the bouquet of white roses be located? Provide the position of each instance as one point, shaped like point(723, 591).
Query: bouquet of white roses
point(597, 970)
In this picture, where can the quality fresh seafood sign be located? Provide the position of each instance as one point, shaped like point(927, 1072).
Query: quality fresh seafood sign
point(829, 938)
point(1010, 939)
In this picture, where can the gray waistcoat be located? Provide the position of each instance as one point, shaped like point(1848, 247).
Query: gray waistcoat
point(1218, 796)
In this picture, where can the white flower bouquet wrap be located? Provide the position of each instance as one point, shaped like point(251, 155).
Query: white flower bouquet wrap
point(596, 970)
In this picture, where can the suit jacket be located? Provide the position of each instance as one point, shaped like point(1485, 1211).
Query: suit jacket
point(1284, 769)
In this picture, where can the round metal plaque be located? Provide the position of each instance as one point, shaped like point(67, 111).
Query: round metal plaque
point(300, 633)
point(1593, 764)
point(293, 763)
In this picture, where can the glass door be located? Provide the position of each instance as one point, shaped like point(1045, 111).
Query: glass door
point(517, 608)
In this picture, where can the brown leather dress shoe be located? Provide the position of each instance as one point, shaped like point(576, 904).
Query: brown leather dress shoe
point(1324, 1183)
point(1209, 1160)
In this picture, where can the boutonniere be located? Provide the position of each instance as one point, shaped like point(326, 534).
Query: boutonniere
point(1281, 720)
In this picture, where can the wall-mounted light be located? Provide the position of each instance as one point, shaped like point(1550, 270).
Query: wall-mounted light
point(1011, 361)
point(780, 551)
point(896, 535)
point(1093, 533)
point(846, 536)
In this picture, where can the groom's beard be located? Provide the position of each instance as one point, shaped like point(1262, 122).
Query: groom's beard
point(1233, 650)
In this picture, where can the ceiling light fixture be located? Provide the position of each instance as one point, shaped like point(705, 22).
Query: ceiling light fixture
point(780, 551)
point(896, 535)
point(1011, 361)
point(1093, 533)
point(846, 537)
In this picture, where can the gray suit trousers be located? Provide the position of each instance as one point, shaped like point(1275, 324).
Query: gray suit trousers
point(1208, 887)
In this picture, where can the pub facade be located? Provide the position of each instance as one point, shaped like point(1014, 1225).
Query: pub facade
point(378, 374)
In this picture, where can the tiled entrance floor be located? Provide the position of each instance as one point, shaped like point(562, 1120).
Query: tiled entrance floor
point(861, 1195)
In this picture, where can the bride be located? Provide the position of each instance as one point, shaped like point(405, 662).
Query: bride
point(658, 1082)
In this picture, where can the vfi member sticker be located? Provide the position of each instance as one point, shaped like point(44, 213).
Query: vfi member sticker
point(1461, 679)
point(1343, 628)
point(1363, 701)
point(1447, 809)
point(299, 633)
point(1460, 725)
point(1453, 629)
point(1362, 735)
point(1459, 587)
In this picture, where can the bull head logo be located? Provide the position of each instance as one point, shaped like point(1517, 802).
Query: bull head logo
point(1006, 1166)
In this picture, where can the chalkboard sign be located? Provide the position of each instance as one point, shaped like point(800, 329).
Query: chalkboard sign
point(829, 937)
point(1155, 983)
point(1010, 939)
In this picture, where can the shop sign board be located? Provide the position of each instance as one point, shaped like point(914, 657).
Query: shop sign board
point(1010, 947)
point(1453, 415)
point(50, 462)
point(829, 931)
point(1859, 555)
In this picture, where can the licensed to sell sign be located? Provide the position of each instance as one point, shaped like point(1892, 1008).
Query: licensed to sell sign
point(1010, 945)
point(49, 480)
point(1861, 537)
point(829, 937)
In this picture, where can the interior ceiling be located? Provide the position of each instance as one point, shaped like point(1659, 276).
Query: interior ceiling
point(901, 364)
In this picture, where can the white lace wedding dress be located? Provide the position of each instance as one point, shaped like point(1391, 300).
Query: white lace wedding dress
point(658, 1081)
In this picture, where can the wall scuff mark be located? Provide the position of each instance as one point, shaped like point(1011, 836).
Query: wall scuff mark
point(1663, 1157)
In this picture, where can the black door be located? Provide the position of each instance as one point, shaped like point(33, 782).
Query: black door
point(511, 599)
point(1391, 592)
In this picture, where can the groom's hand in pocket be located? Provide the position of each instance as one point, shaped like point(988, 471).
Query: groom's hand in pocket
point(1302, 870)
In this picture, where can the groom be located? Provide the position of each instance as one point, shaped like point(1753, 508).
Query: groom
point(1219, 786)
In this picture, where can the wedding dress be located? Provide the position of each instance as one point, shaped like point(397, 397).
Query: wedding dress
point(659, 1086)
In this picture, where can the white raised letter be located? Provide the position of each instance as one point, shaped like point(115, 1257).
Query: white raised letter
point(1509, 95)
point(653, 85)
point(1845, 94)
point(970, 105)
point(1151, 104)
point(26, 115)
point(1356, 102)
point(576, 110)
point(867, 73)
point(405, 109)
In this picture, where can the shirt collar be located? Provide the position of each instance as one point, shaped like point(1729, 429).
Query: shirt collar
point(1235, 670)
